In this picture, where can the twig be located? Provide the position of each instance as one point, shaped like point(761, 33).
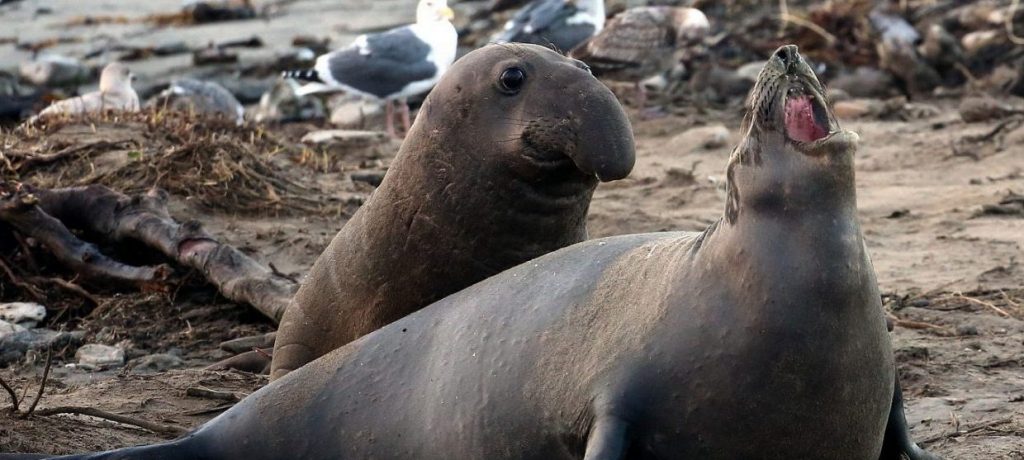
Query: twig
point(998, 310)
point(28, 288)
point(785, 17)
point(958, 433)
point(918, 324)
point(42, 385)
point(94, 412)
point(68, 286)
point(36, 160)
point(200, 392)
point(10, 391)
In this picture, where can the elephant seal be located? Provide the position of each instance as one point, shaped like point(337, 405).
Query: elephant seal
point(760, 337)
point(498, 169)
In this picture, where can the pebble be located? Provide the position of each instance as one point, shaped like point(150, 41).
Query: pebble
point(9, 328)
point(54, 71)
point(706, 137)
point(99, 355)
point(14, 346)
point(357, 113)
point(26, 314)
point(852, 109)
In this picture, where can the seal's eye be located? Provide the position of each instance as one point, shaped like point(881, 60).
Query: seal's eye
point(512, 79)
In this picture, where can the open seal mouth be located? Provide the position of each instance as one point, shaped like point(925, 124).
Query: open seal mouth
point(806, 116)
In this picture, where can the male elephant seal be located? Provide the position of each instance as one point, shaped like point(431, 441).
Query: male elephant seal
point(760, 337)
point(498, 169)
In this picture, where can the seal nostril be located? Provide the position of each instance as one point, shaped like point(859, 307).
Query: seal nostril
point(788, 55)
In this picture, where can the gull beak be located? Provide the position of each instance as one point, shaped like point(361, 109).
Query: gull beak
point(447, 13)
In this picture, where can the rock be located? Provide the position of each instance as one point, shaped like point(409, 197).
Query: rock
point(374, 178)
point(244, 344)
point(345, 138)
point(98, 355)
point(189, 95)
point(214, 55)
point(281, 104)
point(14, 346)
point(974, 41)
point(202, 11)
point(979, 109)
point(9, 328)
point(26, 314)
point(967, 330)
point(156, 363)
point(853, 109)
point(719, 83)
point(351, 112)
point(864, 82)
point(54, 71)
point(706, 137)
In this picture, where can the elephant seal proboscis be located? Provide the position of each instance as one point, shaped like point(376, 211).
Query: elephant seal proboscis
point(499, 169)
point(760, 337)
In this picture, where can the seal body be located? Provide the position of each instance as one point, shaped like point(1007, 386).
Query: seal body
point(498, 169)
point(760, 337)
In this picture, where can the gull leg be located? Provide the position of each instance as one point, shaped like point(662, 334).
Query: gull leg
point(389, 118)
point(406, 123)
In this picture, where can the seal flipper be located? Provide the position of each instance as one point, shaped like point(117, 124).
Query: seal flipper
point(608, 439)
point(897, 443)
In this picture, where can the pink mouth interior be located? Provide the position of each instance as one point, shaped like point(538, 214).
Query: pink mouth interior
point(800, 123)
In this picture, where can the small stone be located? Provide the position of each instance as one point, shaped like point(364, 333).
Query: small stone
point(920, 303)
point(98, 355)
point(9, 328)
point(966, 330)
point(54, 71)
point(14, 346)
point(851, 109)
point(357, 113)
point(26, 314)
point(706, 137)
point(156, 363)
point(974, 41)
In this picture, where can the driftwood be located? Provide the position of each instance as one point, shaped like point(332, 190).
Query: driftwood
point(145, 218)
point(21, 210)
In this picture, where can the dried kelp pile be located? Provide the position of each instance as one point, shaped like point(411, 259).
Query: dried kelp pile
point(210, 162)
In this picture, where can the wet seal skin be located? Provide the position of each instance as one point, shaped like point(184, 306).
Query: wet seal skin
point(499, 169)
point(761, 337)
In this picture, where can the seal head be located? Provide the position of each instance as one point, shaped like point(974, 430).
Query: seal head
point(545, 109)
point(498, 169)
point(794, 151)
